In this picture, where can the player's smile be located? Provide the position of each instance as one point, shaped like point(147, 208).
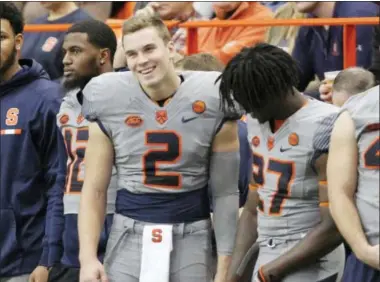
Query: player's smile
point(147, 71)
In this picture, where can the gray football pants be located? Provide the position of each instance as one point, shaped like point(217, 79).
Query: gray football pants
point(21, 278)
point(190, 260)
point(329, 268)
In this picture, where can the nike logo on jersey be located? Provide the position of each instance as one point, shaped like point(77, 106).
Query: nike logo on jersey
point(185, 120)
point(284, 149)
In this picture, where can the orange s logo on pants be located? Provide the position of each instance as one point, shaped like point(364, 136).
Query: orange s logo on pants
point(156, 235)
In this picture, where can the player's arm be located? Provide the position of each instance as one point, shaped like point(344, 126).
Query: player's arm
point(224, 177)
point(342, 176)
point(53, 162)
point(320, 241)
point(98, 162)
point(246, 233)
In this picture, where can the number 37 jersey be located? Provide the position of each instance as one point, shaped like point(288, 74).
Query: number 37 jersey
point(284, 172)
point(161, 152)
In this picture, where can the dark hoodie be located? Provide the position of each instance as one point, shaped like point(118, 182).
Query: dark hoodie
point(32, 168)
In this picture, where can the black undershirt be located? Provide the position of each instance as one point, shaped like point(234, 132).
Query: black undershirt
point(161, 103)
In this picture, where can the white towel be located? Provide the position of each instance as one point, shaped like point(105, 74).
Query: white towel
point(156, 249)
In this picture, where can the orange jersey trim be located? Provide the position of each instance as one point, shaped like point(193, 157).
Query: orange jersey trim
point(324, 204)
point(253, 187)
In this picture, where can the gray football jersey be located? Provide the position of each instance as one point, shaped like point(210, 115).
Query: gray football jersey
point(364, 110)
point(158, 149)
point(74, 128)
point(283, 170)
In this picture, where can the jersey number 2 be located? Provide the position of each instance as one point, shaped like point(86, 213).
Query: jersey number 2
point(75, 163)
point(285, 173)
point(169, 153)
point(372, 155)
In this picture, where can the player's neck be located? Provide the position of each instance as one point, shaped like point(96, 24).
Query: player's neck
point(165, 89)
point(291, 106)
point(106, 68)
point(10, 72)
point(324, 10)
point(64, 9)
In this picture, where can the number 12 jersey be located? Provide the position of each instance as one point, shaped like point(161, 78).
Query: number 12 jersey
point(74, 128)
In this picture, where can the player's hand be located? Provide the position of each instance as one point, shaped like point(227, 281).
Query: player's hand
point(267, 274)
point(325, 91)
point(92, 271)
point(371, 256)
point(39, 274)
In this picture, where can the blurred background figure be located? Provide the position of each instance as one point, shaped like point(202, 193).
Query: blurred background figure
point(99, 10)
point(284, 36)
point(273, 5)
point(225, 43)
point(319, 49)
point(375, 64)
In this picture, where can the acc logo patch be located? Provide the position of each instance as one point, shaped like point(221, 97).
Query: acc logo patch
point(293, 139)
point(161, 116)
point(133, 121)
point(199, 107)
point(255, 141)
point(64, 119)
point(49, 44)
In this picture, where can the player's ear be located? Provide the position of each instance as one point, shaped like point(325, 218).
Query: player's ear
point(104, 55)
point(171, 49)
point(19, 40)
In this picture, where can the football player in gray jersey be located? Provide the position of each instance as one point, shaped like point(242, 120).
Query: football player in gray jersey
point(170, 139)
point(353, 173)
point(88, 48)
point(286, 215)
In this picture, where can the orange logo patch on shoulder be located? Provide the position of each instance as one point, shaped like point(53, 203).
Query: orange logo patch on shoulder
point(255, 141)
point(133, 121)
point(293, 139)
point(64, 119)
point(199, 107)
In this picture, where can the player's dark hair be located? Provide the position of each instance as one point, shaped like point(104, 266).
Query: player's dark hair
point(10, 12)
point(99, 34)
point(257, 75)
